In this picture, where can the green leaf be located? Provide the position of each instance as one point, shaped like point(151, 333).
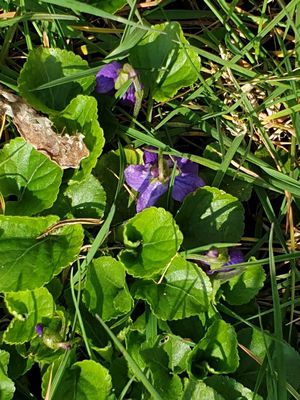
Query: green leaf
point(291, 358)
point(129, 40)
point(45, 65)
point(210, 215)
point(151, 239)
point(167, 385)
point(81, 115)
point(216, 352)
point(109, 6)
point(259, 343)
point(243, 287)
point(30, 176)
point(28, 309)
point(237, 188)
point(134, 341)
point(48, 348)
point(177, 350)
point(119, 374)
point(166, 62)
point(230, 388)
point(27, 262)
point(18, 365)
point(85, 380)
point(7, 386)
point(196, 390)
point(139, 374)
point(55, 287)
point(54, 369)
point(87, 198)
point(192, 328)
point(184, 291)
point(106, 291)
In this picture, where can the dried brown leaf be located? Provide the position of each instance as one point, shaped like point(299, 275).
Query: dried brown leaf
point(67, 151)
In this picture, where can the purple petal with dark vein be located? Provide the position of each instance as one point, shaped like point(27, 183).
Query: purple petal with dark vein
point(150, 195)
point(235, 257)
point(129, 96)
point(110, 70)
point(186, 166)
point(106, 77)
point(185, 184)
point(149, 157)
point(105, 85)
point(138, 176)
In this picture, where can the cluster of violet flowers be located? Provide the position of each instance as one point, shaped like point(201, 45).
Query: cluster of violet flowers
point(152, 179)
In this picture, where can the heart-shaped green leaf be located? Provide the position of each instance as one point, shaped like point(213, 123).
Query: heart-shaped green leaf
point(196, 389)
point(28, 308)
point(168, 385)
point(230, 388)
point(87, 198)
point(27, 262)
point(210, 215)
point(28, 175)
point(151, 239)
point(45, 65)
point(166, 61)
point(184, 291)
point(106, 291)
point(243, 287)
point(81, 116)
point(84, 380)
point(216, 352)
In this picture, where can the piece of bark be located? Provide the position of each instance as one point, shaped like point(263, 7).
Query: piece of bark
point(65, 150)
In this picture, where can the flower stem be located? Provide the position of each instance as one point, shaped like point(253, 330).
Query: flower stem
point(160, 166)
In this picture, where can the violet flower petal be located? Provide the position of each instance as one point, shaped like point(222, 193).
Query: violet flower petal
point(129, 96)
point(185, 184)
point(106, 77)
point(138, 176)
point(187, 166)
point(235, 257)
point(149, 157)
point(213, 253)
point(39, 328)
point(150, 195)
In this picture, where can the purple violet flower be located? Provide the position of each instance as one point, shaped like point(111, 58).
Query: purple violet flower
point(152, 179)
point(112, 76)
point(106, 77)
point(235, 256)
point(39, 328)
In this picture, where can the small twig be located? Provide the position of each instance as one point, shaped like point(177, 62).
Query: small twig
point(74, 221)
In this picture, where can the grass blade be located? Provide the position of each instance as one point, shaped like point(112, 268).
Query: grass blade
point(278, 357)
point(133, 365)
